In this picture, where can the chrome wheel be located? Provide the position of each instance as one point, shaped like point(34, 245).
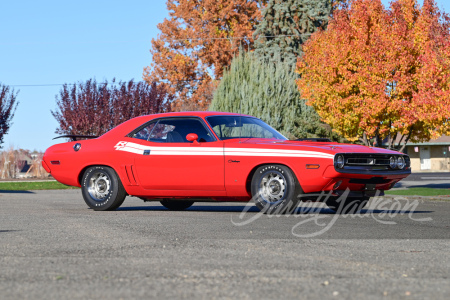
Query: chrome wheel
point(102, 189)
point(99, 186)
point(273, 187)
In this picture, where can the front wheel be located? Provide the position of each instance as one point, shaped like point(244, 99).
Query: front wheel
point(275, 189)
point(102, 188)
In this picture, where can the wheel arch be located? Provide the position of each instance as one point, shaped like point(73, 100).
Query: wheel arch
point(83, 170)
point(248, 180)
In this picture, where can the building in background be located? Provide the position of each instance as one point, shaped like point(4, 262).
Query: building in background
point(430, 156)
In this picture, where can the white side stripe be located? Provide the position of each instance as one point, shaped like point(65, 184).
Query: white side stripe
point(311, 154)
point(139, 149)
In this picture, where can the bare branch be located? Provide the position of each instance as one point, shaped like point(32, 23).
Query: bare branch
point(89, 108)
point(8, 106)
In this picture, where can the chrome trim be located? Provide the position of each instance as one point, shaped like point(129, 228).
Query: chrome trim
point(374, 163)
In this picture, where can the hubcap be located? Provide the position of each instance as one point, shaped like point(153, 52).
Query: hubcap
point(273, 187)
point(99, 186)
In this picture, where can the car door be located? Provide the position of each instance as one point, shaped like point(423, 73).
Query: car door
point(170, 162)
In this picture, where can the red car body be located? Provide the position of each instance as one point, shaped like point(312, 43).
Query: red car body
point(219, 169)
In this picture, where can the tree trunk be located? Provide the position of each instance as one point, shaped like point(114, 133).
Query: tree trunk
point(379, 140)
point(406, 141)
point(365, 140)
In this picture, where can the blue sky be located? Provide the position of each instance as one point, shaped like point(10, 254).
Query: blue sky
point(54, 42)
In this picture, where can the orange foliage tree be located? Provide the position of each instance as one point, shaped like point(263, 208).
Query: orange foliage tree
point(379, 73)
point(196, 43)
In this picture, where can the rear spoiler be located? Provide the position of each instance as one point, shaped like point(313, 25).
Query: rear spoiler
point(75, 137)
point(321, 140)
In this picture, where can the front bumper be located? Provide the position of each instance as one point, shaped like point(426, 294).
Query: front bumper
point(364, 181)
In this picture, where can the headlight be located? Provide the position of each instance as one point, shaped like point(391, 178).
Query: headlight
point(339, 161)
point(393, 162)
point(400, 162)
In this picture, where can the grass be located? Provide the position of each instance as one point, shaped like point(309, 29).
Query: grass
point(26, 186)
point(420, 192)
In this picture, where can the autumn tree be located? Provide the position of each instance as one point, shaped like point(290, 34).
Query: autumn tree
point(379, 73)
point(286, 25)
point(91, 108)
point(8, 106)
point(268, 91)
point(196, 42)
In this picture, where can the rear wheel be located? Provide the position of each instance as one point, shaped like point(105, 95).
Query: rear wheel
point(176, 204)
point(102, 188)
point(275, 189)
point(347, 206)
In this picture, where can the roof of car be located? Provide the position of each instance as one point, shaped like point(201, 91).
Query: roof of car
point(196, 113)
point(129, 125)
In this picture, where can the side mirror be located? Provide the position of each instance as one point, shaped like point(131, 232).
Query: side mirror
point(192, 137)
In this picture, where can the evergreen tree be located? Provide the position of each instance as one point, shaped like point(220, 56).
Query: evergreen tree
point(286, 25)
point(268, 91)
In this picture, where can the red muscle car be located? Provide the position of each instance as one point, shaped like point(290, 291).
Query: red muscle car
point(181, 158)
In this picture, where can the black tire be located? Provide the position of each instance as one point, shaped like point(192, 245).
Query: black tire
point(176, 204)
point(275, 189)
point(347, 206)
point(102, 188)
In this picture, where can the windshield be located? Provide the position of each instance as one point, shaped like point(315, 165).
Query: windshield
point(231, 127)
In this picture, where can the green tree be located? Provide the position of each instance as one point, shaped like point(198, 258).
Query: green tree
point(268, 91)
point(286, 25)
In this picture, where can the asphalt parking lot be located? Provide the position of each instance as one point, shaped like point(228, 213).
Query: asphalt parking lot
point(53, 247)
point(437, 180)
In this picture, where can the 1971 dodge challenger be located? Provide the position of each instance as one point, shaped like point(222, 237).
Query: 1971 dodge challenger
point(181, 158)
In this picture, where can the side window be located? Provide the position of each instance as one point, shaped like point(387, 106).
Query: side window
point(175, 130)
point(255, 131)
point(144, 133)
point(161, 131)
point(247, 130)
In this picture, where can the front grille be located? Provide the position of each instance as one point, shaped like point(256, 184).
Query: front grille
point(364, 160)
point(370, 162)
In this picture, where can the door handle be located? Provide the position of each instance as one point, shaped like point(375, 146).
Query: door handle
point(146, 152)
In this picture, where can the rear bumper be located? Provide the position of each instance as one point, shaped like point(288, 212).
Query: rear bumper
point(45, 166)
